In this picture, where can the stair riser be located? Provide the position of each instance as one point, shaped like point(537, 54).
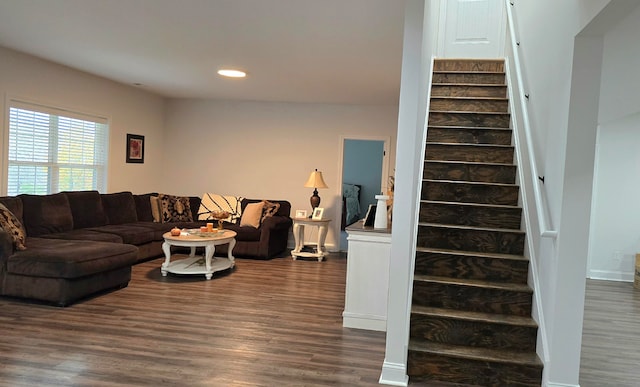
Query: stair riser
point(472, 333)
point(492, 91)
point(471, 267)
point(424, 367)
point(468, 105)
point(469, 136)
point(456, 214)
point(472, 78)
point(468, 65)
point(478, 240)
point(471, 153)
point(470, 193)
point(482, 120)
point(505, 174)
point(471, 298)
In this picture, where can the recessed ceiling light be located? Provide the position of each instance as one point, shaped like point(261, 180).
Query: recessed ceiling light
point(231, 73)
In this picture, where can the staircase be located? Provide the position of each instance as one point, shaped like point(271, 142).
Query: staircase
point(471, 310)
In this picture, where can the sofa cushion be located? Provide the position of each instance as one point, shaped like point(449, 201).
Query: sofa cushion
point(143, 207)
point(12, 226)
point(57, 258)
point(120, 207)
point(46, 214)
point(175, 208)
point(14, 204)
point(135, 235)
point(85, 234)
point(252, 214)
point(86, 208)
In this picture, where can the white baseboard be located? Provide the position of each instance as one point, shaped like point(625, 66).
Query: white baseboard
point(394, 374)
point(364, 321)
point(550, 384)
point(611, 275)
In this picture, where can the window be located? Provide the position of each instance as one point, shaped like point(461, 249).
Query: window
point(52, 150)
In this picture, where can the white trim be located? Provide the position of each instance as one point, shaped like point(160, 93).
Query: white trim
point(394, 374)
point(364, 321)
point(560, 385)
point(611, 275)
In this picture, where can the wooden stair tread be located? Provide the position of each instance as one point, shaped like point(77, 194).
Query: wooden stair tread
point(494, 318)
point(463, 227)
point(472, 253)
point(469, 144)
point(469, 204)
point(508, 286)
point(469, 98)
point(467, 72)
point(470, 128)
point(468, 112)
point(478, 354)
point(467, 162)
point(467, 84)
point(478, 183)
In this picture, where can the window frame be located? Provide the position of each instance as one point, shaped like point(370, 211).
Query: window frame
point(52, 165)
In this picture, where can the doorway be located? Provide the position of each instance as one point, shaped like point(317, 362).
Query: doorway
point(364, 167)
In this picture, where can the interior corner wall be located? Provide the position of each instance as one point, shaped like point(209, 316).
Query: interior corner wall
point(614, 238)
point(266, 150)
point(129, 110)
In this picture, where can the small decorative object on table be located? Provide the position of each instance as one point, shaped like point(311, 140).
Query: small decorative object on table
point(220, 216)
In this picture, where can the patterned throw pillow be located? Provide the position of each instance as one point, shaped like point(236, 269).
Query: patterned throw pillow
point(10, 224)
point(269, 209)
point(175, 208)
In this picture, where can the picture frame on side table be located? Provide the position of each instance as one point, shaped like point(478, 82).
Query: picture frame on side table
point(135, 148)
point(301, 213)
point(317, 213)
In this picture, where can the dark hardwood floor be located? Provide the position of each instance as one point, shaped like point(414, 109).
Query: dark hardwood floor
point(267, 323)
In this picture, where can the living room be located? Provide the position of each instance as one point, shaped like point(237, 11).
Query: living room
point(251, 148)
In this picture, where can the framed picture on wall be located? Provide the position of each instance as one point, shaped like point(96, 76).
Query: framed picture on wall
point(317, 213)
point(135, 148)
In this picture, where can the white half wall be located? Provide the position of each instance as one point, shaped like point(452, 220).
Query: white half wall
point(129, 110)
point(265, 150)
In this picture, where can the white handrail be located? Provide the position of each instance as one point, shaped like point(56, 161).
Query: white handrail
point(545, 228)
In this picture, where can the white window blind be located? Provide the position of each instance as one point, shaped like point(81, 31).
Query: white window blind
point(53, 150)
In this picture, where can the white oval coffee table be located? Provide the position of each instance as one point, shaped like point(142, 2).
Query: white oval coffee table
point(192, 264)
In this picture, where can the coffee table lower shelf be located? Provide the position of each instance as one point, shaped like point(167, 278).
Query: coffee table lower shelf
point(184, 264)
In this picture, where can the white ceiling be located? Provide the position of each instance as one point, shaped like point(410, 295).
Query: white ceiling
point(317, 51)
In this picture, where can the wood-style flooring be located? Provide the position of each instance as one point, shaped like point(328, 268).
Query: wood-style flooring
point(267, 323)
point(611, 335)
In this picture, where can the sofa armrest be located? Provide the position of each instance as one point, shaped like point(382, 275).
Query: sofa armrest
point(274, 235)
point(277, 223)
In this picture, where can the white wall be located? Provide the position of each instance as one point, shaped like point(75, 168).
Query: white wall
point(265, 150)
point(615, 222)
point(128, 109)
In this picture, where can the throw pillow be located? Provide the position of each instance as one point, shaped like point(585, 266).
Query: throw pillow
point(252, 215)
point(269, 209)
point(155, 209)
point(11, 225)
point(175, 208)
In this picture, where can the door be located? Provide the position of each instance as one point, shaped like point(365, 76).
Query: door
point(471, 29)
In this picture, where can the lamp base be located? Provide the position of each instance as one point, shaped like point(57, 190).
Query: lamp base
point(314, 200)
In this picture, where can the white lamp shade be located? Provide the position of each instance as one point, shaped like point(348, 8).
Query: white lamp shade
point(315, 180)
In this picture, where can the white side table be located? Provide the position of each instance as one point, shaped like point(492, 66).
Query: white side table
point(298, 235)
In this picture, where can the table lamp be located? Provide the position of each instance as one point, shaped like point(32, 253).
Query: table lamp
point(315, 181)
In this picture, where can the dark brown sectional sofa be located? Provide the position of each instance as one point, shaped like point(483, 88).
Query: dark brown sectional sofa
point(81, 243)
